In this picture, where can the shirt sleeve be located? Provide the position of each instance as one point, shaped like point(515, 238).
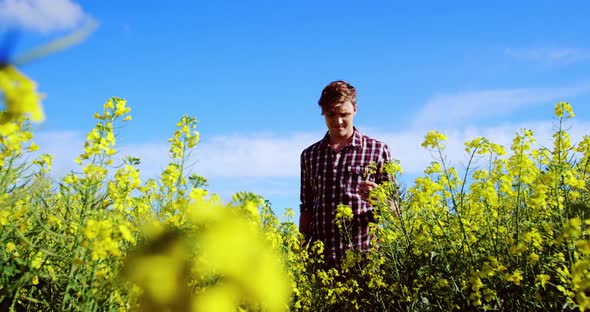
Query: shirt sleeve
point(305, 192)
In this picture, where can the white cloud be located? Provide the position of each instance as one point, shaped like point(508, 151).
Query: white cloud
point(153, 156)
point(232, 156)
point(41, 15)
point(449, 109)
point(550, 56)
point(251, 155)
point(65, 146)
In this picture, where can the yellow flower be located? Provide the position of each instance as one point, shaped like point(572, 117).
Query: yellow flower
point(489, 294)
point(108, 105)
point(126, 233)
point(433, 139)
point(343, 214)
point(583, 246)
point(10, 247)
point(121, 107)
point(517, 249)
point(33, 147)
point(476, 283)
point(91, 229)
point(37, 261)
point(542, 279)
point(160, 274)
point(533, 258)
point(561, 107)
point(434, 168)
point(222, 298)
point(20, 96)
point(572, 229)
point(4, 217)
point(515, 277)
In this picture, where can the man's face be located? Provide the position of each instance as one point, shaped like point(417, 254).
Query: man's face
point(339, 120)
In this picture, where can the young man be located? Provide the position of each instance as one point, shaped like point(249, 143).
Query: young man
point(335, 170)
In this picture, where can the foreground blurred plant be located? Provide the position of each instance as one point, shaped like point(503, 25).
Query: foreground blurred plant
point(20, 99)
point(224, 259)
point(19, 93)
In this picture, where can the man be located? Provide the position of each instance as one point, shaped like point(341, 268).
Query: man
point(336, 170)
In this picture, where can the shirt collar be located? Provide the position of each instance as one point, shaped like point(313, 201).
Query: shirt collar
point(357, 139)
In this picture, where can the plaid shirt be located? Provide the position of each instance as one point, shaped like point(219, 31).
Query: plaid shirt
point(329, 178)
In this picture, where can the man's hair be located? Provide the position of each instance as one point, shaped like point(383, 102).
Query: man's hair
point(337, 92)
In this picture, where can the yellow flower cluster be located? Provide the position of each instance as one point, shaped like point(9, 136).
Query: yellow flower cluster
point(343, 216)
point(20, 97)
point(434, 139)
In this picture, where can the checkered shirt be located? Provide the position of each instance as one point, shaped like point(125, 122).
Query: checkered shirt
point(329, 178)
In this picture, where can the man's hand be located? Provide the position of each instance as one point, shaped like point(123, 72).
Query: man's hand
point(394, 206)
point(366, 188)
point(365, 192)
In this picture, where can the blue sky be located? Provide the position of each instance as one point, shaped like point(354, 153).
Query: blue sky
point(252, 71)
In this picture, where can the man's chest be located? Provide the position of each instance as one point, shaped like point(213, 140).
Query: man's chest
point(333, 171)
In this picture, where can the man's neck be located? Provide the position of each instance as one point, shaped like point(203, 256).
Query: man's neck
point(338, 143)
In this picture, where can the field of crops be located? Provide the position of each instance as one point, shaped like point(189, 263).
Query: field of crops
point(511, 234)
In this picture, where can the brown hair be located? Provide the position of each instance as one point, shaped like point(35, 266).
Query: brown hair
point(337, 92)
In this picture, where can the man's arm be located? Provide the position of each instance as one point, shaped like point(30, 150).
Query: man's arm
point(305, 224)
point(305, 217)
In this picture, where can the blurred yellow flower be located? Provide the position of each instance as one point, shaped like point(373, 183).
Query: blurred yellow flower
point(20, 96)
